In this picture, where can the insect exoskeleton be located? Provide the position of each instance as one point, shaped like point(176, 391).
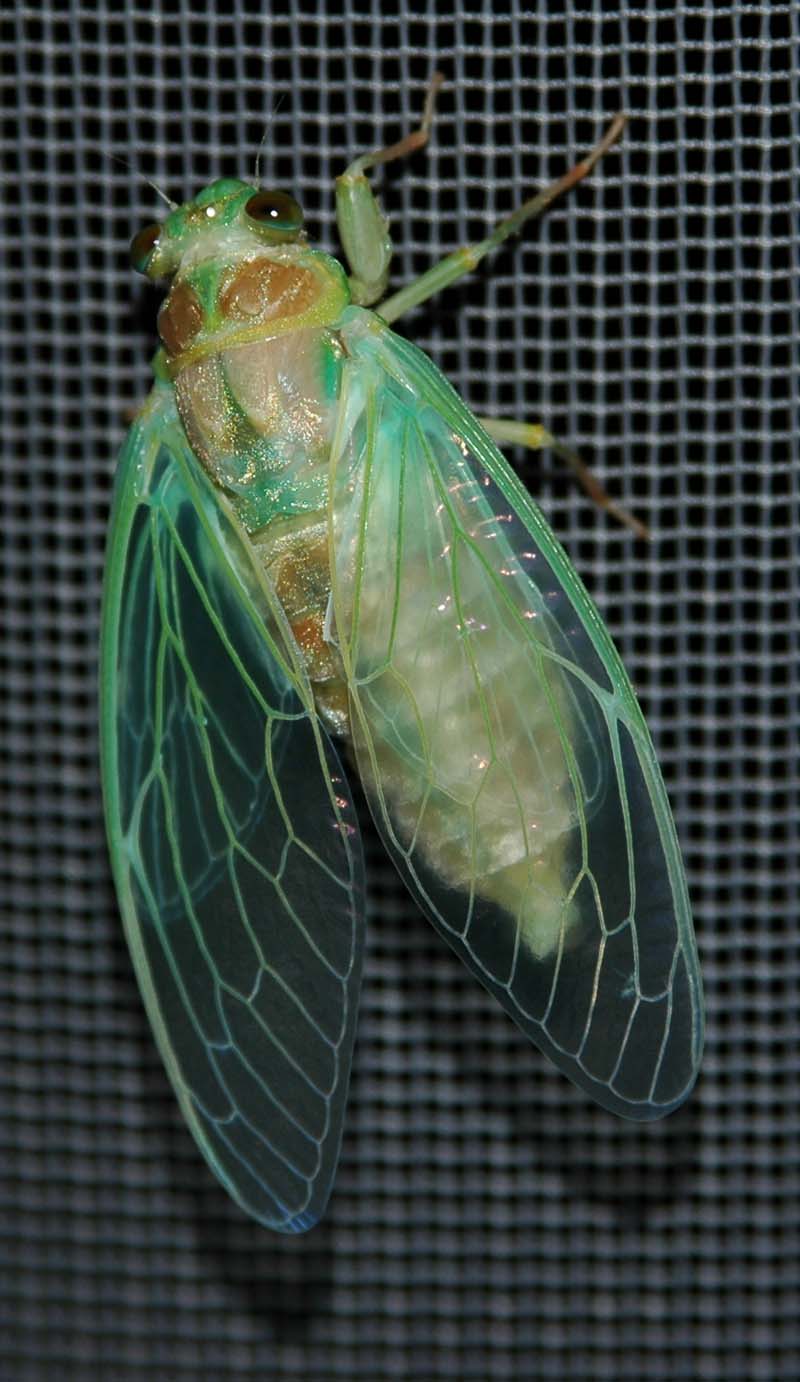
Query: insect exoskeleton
point(313, 540)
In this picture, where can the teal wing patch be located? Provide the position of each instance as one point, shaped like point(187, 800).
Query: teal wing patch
point(506, 761)
point(235, 849)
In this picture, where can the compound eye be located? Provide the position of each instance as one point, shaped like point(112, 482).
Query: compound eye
point(277, 212)
point(142, 246)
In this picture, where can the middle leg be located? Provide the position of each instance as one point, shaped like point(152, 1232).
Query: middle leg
point(537, 437)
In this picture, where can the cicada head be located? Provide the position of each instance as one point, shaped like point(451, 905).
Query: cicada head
point(227, 215)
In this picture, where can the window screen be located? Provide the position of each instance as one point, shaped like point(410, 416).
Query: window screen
point(486, 1222)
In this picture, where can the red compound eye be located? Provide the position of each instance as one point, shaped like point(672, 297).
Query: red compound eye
point(276, 211)
point(142, 246)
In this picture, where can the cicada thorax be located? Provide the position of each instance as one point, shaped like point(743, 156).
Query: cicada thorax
point(256, 368)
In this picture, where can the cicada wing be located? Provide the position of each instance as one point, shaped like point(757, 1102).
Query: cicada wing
point(235, 848)
point(504, 756)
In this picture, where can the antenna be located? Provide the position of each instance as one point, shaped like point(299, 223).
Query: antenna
point(274, 112)
point(173, 206)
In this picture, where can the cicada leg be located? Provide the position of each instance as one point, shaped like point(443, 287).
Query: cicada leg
point(463, 261)
point(536, 437)
point(362, 227)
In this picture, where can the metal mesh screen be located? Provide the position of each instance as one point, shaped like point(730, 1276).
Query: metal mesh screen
point(486, 1221)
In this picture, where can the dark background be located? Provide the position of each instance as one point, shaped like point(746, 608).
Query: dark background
point(486, 1222)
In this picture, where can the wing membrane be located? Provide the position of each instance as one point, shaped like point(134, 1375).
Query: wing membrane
point(501, 747)
point(234, 844)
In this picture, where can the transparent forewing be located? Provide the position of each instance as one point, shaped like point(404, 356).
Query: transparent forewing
point(504, 756)
point(234, 845)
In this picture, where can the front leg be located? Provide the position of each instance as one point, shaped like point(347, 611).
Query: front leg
point(363, 229)
point(463, 261)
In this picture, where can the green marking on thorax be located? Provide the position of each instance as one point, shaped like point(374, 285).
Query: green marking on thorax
point(331, 369)
point(205, 281)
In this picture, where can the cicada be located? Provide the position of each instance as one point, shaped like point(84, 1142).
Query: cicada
point(317, 553)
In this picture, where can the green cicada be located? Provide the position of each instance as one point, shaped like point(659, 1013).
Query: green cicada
point(316, 549)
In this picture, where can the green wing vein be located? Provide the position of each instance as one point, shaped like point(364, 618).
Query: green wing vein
point(504, 756)
point(233, 839)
